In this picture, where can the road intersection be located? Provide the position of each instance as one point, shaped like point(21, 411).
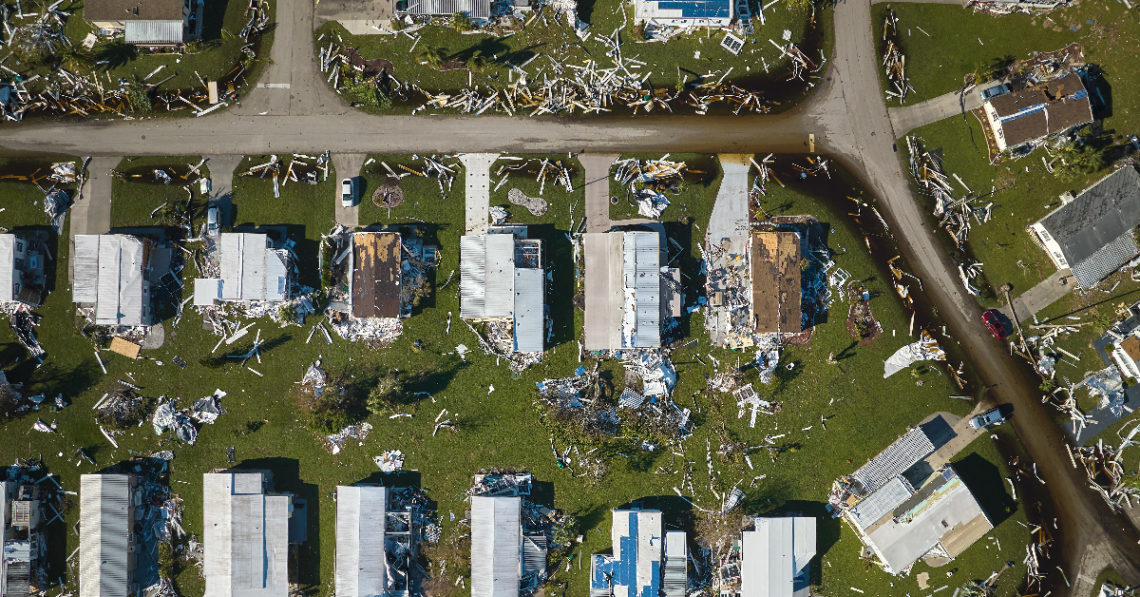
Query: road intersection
point(293, 110)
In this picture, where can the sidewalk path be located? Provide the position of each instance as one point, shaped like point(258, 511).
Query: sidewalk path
point(597, 176)
point(477, 181)
point(1045, 293)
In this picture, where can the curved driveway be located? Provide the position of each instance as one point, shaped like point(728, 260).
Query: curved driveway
point(293, 110)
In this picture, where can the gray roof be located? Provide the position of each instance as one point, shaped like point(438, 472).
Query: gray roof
point(1094, 230)
point(153, 32)
point(245, 537)
point(492, 287)
point(7, 267)
point(899, 456)
point(105, 526)
point(108, 272)
point(774, 557)
point(641, 261)
point(251, 269)
point(361, 566)
point(496, 546)
point(529, 328)
point(475, 9)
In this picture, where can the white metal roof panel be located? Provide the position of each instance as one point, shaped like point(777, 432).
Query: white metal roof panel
point(153, 32)
point(880, 503)
point(500, 281)
point(775, 555)
point(105, 526)
point(246, 537)
point(473, 276)
point(529, 328)
point(85, 269)
point(7, 267)
point(496, 546)
point(361, 565)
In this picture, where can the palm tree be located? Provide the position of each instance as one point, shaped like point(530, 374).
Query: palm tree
point(433, 56)
point(1077, 160)
point(477, 62)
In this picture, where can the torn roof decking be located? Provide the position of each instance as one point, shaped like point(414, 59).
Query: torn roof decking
point(1050, 107)
point(775, 556)
point(106, 521)
point(496, 546)
point(776, 282)
point(109, 274)
point(361, 564)
point(1089, 228)
point(245, 536)
point(375, 282)
point(623, 290)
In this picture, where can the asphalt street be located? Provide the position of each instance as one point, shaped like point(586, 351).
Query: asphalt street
point(292, 109)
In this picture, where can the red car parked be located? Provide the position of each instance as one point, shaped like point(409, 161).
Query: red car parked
point(997, 323)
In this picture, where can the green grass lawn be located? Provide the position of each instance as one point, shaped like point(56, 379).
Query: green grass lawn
point(136, 193)
point(682, 59)
point(695, 199)
point(500, 429)
point(961, 42)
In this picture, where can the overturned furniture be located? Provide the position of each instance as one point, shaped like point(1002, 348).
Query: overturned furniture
point(502, 281)
point(1094, 233)
point(246, 536)
point(627, 290)
point(646, 559)
point(111, 275)
point(252, 271)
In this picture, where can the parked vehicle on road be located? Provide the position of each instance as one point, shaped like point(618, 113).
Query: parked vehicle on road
point(997, 323)
point(988, 419)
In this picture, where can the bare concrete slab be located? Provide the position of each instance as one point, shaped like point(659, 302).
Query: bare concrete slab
point(477, 181)
point(597, 177)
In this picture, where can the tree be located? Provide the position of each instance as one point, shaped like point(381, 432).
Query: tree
point(74, 58)
point(138, 97)
point(461, 22)
point(384, 396)
point(433, 56)
point(477, 62)
point(800, 5)
point(1076, 160)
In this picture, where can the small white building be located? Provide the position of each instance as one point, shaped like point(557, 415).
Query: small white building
point(251, 271)
point(106, 535)
point(683, 13)
point(22, 269)
point(245, 536)
point(111, 274)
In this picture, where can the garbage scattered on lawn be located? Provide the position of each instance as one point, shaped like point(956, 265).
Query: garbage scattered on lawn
point(122, 408)
point(646, 181)
point(1103, 464)
point(924, 349)
point(167, 417)
point(336, 442)
point(23, 323)
point(390, 461)
point(315, 379)
point(207, 409)
point(894, 62)
point(300, 167)
point(748, 399)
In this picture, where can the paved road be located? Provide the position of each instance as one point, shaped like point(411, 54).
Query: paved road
point(846, 114)
point(348, 165)
point(596, 167)
point(907, 118)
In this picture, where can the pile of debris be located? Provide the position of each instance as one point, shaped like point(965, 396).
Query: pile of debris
point(647, 181)
point(924, 349)
point(556, 87)
point(541, 170)
point(1029, 7)
point(205, 410)
point(656, 377)
point(956, 216)
point(894, 62)
point(23, 322)
point(748, 399)
point(444, 169)
point(299, 168)
point(64, 92)
point(122, 407)
point(1105, 469)
point(390, 461)
point(581, 401)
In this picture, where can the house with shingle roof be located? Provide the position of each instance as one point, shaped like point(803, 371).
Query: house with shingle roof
point(1029, 115)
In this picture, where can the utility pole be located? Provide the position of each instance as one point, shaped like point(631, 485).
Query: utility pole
point(1005, 288)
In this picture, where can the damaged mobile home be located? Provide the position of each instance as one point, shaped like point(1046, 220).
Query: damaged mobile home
point(376, 541)
point(112, 278)
point(502, 282)
point(378, 279)
point(776, 282)
point(904, 509)
point(23, 278)
point(107, 542)
point(246, 535)
point(1093, 234)
point(21, 543)
point(509, 536)
point(646, 558)
point(629, 293)
point(250, 270)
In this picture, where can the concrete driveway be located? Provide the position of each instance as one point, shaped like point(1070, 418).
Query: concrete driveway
point(348, 165)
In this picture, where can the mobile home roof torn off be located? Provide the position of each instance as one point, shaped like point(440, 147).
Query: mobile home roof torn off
point(374, 283)
point(776, 281)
